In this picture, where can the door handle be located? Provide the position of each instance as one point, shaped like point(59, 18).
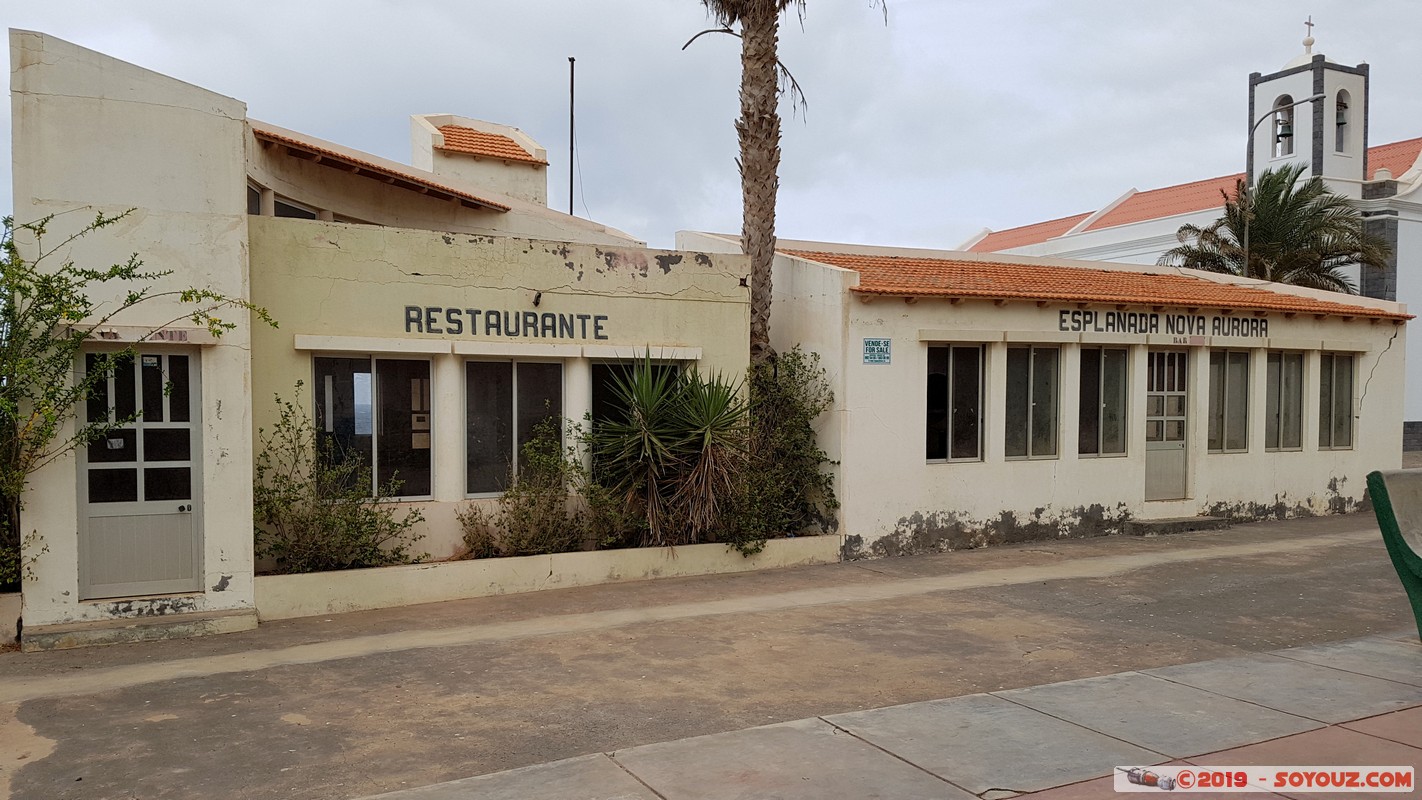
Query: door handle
point(185, 508)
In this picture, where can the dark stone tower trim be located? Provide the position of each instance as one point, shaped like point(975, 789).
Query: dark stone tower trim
point(1318, 108)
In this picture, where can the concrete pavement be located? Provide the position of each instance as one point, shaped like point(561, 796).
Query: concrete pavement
point(1357, 702)
point(358, 704)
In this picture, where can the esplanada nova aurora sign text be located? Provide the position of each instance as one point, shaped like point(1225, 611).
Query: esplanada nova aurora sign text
point(1157, 322)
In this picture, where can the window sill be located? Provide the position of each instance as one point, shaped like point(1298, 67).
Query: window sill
point(1102, 455)
point(940, 461)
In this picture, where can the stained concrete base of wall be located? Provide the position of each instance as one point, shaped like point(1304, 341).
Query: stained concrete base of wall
point(9, 617)
point(115, 631)
point(288, 596)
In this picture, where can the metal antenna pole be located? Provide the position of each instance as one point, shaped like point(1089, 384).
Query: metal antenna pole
point(570, 88)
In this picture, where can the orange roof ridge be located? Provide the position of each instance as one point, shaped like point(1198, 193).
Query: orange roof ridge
point(461, 139)
point(948, 277)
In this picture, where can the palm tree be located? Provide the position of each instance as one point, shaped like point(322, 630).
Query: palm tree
point(758, 131)
point(1297, 233)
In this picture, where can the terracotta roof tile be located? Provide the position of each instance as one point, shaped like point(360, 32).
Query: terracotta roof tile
point(1397, 157)
point(945, 277)
point(1182, 198)
point(331, 157)
point(1172, 200)
point(1027, 234)
point(459, 139)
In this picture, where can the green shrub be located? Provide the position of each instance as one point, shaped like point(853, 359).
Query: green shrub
point(533, 515)
point(551, 506)
point(784, 489)
point(314, 512)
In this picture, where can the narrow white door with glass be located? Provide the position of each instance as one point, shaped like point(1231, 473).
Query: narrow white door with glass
point(138, 484)
point(1165, 421)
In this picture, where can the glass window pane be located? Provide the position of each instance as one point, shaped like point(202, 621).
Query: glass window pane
point(402, 424)
point(290, 211)
point(489, 425)
point(1325, 400)
point(254, 201)
point(125, 397)
point(1113, 401)
point(343, 415)
point(1291, 402)
point(540, 401)
point(1217, 401)
point(178, 394)
point(1155, 430)
point(119, 445)
point(168, 483)
point(1175, 430)
point(1175, 405)
point(152, 387)
point(113, 485)
point(1155, 405)
point(1343, 401)
point(1273, 377)
point(1237, 402)
point(98, 403)
point(1044, 401)
point(965, 421)
point(936, 443)
point(1088, 428)
point(167, 444)
point(1019, 367)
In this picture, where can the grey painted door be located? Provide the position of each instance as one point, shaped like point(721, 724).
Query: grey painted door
point(1166, 421)
point(138, 486)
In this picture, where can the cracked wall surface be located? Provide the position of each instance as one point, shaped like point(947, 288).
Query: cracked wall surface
point(450, 297)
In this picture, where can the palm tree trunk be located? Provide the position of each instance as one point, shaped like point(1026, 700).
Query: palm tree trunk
point(758, 130)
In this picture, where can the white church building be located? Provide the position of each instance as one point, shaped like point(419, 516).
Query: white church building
point(1329, 137)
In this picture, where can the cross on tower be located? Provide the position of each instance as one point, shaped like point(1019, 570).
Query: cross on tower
point(1309, 24)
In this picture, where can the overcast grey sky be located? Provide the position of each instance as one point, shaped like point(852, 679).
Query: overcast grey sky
point(954, 116)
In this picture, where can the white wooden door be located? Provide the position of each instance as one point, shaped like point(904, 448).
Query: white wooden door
point(1166, 421)
point(138, 498)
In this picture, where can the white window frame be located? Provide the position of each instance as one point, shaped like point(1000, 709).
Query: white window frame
point(1274, 407)
point(1032, 401)
point(512, 410)
point(948, 409)
point(374, 359)
point(1331, 410)
point(1101, 407)
point(1225, 415)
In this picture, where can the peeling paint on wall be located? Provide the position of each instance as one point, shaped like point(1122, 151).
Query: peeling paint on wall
point(943, 531)
point(1332, 501)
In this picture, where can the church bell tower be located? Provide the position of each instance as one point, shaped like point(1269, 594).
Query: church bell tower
point(1329, 136)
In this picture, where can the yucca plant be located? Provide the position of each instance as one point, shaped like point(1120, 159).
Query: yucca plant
point(674, 452)
point(712, 415)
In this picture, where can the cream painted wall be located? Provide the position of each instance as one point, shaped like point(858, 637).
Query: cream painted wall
point(895, 498)
point(514, 178)
point(94, 134)
point(335, 280)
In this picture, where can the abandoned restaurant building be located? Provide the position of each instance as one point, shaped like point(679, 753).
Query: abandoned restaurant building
point(435, 313)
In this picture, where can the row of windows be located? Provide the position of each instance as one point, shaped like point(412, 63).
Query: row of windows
point(957, 373)
point(379, 410)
